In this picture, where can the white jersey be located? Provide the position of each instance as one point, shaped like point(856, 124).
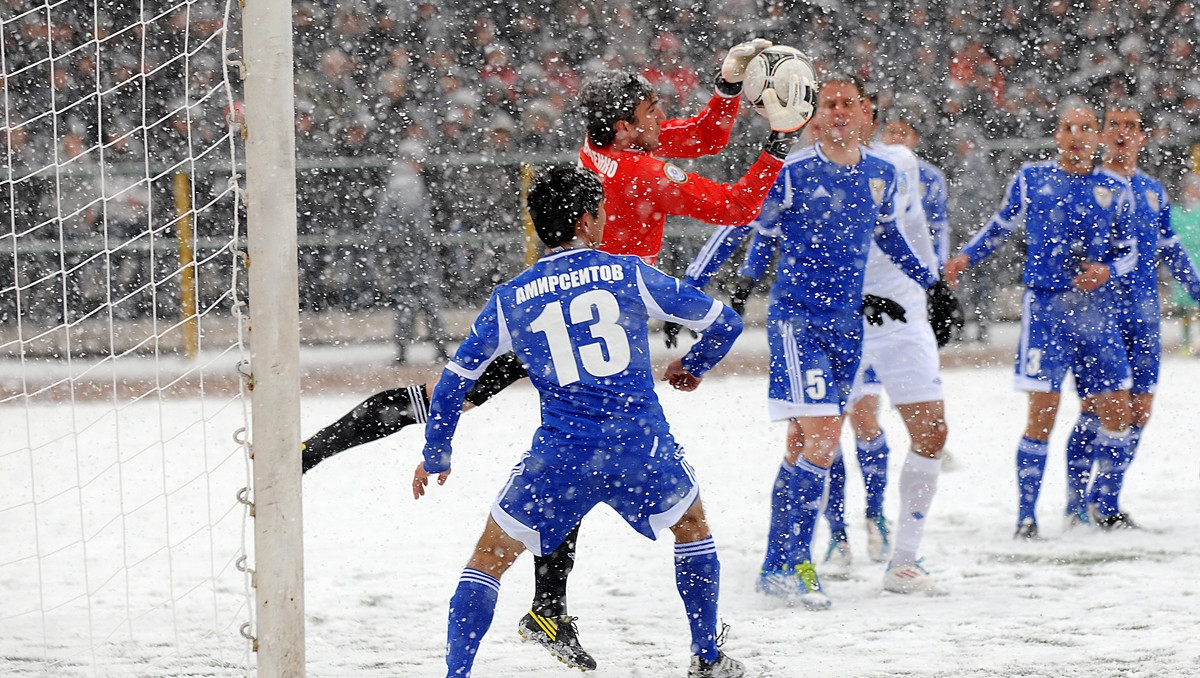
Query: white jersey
point(883, 278)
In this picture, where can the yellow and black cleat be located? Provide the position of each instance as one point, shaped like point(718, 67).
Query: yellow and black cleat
point(559, 636)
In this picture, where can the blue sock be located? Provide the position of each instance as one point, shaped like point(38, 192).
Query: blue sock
point(1133, 439)
point(779, 535)
point(835, 502)
point(1079, 461)
point(1112, 459)
point(698, 578)
point(1031, 465)
point(807, 488)
point(471, 610)
point(873, 460)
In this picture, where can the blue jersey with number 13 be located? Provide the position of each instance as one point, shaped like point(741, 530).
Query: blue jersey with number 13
point(577, 320)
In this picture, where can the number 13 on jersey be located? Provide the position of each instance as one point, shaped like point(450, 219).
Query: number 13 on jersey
point(602, 352)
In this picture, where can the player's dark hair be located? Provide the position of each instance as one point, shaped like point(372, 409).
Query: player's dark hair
point(610, 96)
point(844, 77)
point(905, 116)
point(1122, 106)
point(872, 98)
point(1072, 102)
point(558, 199)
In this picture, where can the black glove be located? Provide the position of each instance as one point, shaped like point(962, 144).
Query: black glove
point(945, 313)
point(671, 333)
point(874, 308)
point(737, 301)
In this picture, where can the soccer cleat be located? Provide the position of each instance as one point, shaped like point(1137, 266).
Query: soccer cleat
point(559, 636)
point(1117, 521)
point(1077, 520)
point(837, 557)
point(722, 667)
point(911, 578)
point(807, 590)
point(879, 539)
point(775, 583)
point(1027, 529)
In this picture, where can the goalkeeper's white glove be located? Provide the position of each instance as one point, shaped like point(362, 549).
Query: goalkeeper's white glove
point(787, 122)
point(795, 114)
point(733, 68)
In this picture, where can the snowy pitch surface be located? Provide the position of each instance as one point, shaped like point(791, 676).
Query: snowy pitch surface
point(381, 567)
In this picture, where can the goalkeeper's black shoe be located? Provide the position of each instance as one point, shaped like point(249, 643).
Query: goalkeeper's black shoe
point(559, 636)
point(722, 667)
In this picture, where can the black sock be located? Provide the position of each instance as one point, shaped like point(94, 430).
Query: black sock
point(501, 373)
point(376, 417)
point(550, 574)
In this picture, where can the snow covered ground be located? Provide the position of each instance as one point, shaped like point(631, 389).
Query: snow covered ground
point(380, 567)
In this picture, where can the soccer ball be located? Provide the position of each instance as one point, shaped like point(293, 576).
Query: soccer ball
point(778, 64)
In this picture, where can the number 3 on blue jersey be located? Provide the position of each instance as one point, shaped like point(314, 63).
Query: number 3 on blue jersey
point(600, 311)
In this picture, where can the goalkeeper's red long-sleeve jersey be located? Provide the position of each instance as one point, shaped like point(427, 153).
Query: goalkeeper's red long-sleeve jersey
point(640, 189)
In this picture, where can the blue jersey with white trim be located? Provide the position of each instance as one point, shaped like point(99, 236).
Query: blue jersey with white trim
point(1155, 238)
point(933, 198)
point(822, 216)
point(577, 320)
point(1069, 219)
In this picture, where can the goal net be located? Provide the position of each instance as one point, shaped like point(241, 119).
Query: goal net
point(123, 519)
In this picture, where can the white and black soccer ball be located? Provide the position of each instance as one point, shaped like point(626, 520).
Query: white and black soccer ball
point(777, 64)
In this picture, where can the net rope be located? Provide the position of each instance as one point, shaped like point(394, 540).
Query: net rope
point(124, 536)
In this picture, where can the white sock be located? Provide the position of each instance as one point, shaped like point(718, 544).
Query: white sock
point(918, 485)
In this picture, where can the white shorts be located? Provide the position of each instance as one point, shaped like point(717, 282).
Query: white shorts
point(905, 362)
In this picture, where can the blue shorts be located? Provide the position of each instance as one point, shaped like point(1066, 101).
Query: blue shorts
point(547, 495)
point(1140, 326)
point(1070, 331)
point(812, 365)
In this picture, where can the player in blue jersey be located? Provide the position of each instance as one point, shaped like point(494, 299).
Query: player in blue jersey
point(1138, 317)
point(577, 319)
point(1078, 236)
point(828, 204)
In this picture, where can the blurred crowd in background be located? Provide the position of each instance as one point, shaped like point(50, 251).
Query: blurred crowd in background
point(465, 77)
point(446, 100)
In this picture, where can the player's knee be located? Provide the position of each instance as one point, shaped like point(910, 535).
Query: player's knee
point(935, 438)
point(865, 425)
point(692, 526)
point(1141, 412)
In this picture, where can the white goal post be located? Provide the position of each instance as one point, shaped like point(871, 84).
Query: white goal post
point(275, 337)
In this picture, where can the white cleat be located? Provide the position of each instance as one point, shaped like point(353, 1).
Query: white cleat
point(911, 578)
point(807, 590)
point(776, 584)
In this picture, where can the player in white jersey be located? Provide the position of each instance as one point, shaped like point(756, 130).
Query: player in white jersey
point(900, 354)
